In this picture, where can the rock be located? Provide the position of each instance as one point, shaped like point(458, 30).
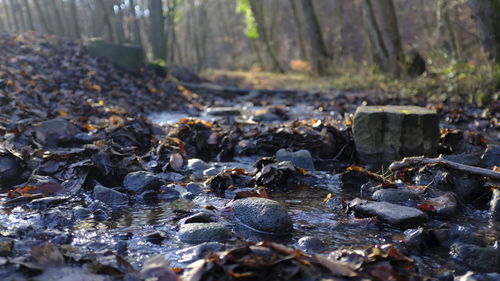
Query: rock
point(10, 171)
point(200, 217)
point(194, 188)
point(458, 234)
point(126, 56)
point(55, 132)
point(481, 258)
point(110, 196)
point(184, 74)
point(445, 204)
point(157, 268)
point(195, 233)
point(270, 114)
point(81, 213)
point(301, 158)
point(223, 111)
point(491, 156)
point(472, 276)
point(311, 244)
point(262, 215)
point(141, 181)
point(210, 172)
point(394, 195)
point(495, 205)
point(396, 215)
point(191, 254)
point(383, 134)
point(197, 165)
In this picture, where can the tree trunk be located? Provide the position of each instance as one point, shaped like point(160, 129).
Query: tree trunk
point(28, 14)
point(257, 7)
point(136, 27)
point(118, 23)
point(157, 29)
point(384, 37)
point(379, 51)
point(58, 18)
point(10, 23)
point(339, 29)
point(390, 29)
point(74, 16)
point(298, 29)
point(320, 57)
point(487, 17)
point(446, 32)
point(106, 10)
point(43, 19)
point(13, 13)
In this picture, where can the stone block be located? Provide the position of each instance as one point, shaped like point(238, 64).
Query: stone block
point(383, 134)
point(126, 56)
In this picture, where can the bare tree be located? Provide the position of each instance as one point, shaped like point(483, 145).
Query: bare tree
point(487, 17)
point(298, 28)
point(43, 18)
point(158, 40)
point(319, 55)
point(74, 17)
point(384, 36)
point(257, 7)
point(28, 14)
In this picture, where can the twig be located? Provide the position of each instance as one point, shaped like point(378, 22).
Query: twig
point(410, 161)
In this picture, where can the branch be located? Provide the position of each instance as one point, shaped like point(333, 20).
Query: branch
point(410, 161)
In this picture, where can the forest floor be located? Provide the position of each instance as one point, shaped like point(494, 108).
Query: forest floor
point(110, 176)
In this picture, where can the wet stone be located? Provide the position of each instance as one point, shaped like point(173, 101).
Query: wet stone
point(195, 233)
point(223, 111)
point(55, 132)
point(262, 215)
point(396, 215)
point(141, 181)
point(6, 246)
point(110, 196)
point(383, 134)
point(311, 244)
point(210, 172)
point(194, 188)
point(482, 258)
point(301, 158)
point(495, 205)
point(196, 164)
point(197, 252)
point(394, 195)
point(10, 171)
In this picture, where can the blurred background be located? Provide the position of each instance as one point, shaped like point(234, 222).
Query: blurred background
point(413, 46)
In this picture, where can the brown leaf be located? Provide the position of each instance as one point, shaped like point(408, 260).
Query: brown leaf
point(336, 268)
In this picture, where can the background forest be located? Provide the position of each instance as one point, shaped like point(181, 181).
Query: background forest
point(437, 48)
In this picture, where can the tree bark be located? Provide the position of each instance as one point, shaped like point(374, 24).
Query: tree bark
point(43, 19)
point(28, 14)
point(298, 29)
point(74, 16)
point(106, 11)
point(379, 51)
point(320, 57)
point(487, 17)
point(137, 28)
point(390, 29)
point(157, 29)
point(13, 13)
point(58, 18)
point(257, 7)
point(10, 24)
